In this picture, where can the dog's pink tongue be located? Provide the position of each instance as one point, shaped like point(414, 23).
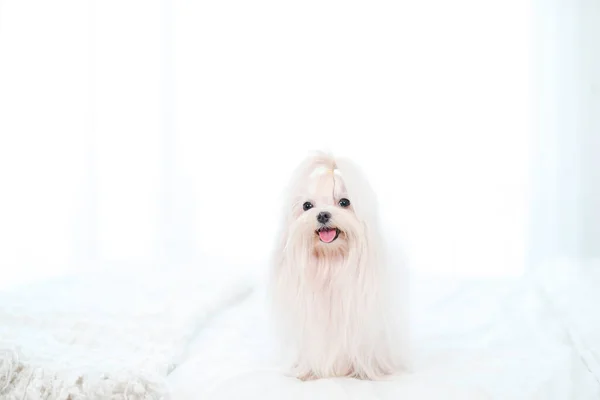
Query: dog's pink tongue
point(327, 235)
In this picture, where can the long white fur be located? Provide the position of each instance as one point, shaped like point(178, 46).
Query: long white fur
point(335, 303)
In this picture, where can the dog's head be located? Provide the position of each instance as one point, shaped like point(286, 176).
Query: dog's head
point(329, 209)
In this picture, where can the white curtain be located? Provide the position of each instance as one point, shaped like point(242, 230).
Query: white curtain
point(565, 234)
point(566, 202)
point(44, 106)
point(136, 132)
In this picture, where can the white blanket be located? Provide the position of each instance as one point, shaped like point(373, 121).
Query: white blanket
point(571, 288)
point(489, 339)
point(105, 335)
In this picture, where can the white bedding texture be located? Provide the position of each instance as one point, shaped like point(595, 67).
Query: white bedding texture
point(474, 339)
point(571, 290)
point(104, 335)
point(161, 335)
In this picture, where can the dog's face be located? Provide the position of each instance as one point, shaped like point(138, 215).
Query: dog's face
point(323, 217)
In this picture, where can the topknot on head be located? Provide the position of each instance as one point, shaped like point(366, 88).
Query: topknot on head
point(316, 163)
point(322, 160)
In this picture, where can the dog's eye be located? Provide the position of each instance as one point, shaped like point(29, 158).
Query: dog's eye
point(307, 206)
point(344, 203)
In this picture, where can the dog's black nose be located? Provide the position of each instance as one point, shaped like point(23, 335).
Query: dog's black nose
point(323, 217)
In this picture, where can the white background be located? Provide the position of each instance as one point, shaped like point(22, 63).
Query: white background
point(136, 132)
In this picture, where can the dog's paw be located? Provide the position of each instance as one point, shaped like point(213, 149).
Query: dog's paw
point(302, 373)
point(306, 376)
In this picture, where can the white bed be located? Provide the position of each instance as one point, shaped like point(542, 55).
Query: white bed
point(164, 334)
point(107, 334)
point(477, 339)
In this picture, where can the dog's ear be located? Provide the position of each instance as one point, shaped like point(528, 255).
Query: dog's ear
point(362, 196)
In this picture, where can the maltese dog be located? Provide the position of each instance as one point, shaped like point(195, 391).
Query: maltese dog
point(332, 283)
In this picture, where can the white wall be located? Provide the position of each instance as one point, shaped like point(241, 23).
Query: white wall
point(432, 97)
point(152, 131)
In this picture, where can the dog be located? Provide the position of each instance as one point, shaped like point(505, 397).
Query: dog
point(333, 287)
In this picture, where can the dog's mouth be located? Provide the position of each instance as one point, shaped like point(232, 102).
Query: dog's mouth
point(328, 234)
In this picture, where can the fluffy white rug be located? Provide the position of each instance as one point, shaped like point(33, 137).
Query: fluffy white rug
point(105, 335)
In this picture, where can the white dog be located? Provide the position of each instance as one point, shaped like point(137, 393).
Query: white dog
point(332, 284)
